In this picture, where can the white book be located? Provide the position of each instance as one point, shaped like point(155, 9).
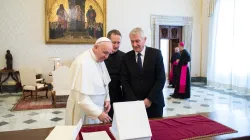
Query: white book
point(65, 132)
point(130, 121)
point(100, 135)
point(61, 133)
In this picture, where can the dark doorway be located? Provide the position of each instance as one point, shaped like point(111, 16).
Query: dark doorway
point(170, 36)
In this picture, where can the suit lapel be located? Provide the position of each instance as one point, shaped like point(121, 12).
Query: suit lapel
point(145, 62)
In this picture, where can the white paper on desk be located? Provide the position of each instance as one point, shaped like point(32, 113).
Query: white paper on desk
point(65, 132)
point(100, 135)
point(130, 123)
point(61, 133)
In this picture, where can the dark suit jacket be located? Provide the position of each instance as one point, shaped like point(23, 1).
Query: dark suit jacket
point(113, 64)
point(146, 84)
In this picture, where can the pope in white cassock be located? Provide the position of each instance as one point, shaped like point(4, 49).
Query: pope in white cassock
point(89, 97)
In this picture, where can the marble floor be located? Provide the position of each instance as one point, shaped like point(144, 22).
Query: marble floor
point(203, 99)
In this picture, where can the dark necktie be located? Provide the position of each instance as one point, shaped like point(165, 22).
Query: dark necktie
point(139, 61)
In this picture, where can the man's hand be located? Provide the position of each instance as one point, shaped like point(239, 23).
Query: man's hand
point(107, 106)
point(147, 102)
point(104, 117)
point(177, 60)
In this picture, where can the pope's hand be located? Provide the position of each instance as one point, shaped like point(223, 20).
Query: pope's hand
point(104, 117)
point(107, 106)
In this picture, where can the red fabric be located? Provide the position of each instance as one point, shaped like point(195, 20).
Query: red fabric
point(175, 63)
point(41, 103)
point(95, 129)
point(175, 128)
point(171, 74)
point(182, 44)
point(183, 78)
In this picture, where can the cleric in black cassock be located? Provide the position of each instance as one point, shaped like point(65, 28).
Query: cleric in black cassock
point(182, 87)
point(113, 64)
point(174, 67)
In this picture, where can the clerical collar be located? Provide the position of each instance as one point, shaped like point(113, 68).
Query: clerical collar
point(114, 53)
point(93, 54)
point(142, 52)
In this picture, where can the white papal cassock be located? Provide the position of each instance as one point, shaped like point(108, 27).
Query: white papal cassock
point(89, 89)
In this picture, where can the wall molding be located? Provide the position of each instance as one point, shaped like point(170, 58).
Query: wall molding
point(185, 22)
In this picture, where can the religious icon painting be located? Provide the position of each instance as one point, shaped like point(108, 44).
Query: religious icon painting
point(74, 21)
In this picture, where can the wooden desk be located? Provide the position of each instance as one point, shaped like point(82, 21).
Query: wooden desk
point(30, 134)
point(12, 74)
point(243, 128)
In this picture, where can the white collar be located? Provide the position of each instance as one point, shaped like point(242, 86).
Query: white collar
point(93, 54)
point(142, 52)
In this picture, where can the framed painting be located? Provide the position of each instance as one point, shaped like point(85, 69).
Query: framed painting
point(74, 21)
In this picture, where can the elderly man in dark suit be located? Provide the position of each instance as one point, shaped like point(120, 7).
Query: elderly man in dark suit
point(143, 75)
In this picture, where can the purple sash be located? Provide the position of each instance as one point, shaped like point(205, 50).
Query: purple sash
point(183, 78)
point(171, 73)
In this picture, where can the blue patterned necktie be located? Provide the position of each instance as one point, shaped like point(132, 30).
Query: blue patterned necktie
point(139, 61)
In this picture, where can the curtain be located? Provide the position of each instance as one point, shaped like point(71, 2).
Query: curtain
point(229, 49)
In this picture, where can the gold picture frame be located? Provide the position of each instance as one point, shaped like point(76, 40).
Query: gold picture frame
point(74, 21)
